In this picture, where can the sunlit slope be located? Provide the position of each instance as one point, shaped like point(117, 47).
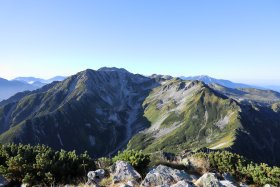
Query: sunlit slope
point(187, 115)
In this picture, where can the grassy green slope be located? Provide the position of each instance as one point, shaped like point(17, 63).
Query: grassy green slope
point(187, 115)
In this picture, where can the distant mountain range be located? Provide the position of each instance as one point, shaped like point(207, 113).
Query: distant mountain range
point(110, 109)
point(32, 80)
point(210, 80)
point(11, 87)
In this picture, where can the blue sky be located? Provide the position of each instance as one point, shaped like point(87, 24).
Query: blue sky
point(231, 39)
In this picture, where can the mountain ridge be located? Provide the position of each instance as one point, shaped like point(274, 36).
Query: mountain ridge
point(210, 80)
point(103, 111)
point(69, 105)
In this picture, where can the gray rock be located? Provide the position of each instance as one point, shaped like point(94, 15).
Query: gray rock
point(226, 183)
point(228, 177)
point(94, 177)
point(163, 175)
point(267, 185)
point(129, 184)
point(3, 181)
point(208, 180)
point(243, 185)
point(182, 184)
point(123, 171)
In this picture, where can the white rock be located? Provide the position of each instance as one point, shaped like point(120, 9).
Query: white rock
point(182, 184)
point(208, 180)
point(163, 175)
point(123, 171)
point(227, 183)
point(94, 177)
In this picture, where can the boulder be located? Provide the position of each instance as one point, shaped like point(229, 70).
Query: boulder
point(226, 183)
point(123, 171)
point(3, 181)
point(163, 175)
point(208, 180)
point(95, 177)
point(129, 184)
point(182, 184)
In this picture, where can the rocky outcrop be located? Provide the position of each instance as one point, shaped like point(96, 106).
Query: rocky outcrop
point(163, 175)
point(182, 184)
point(208, 180)
point(95, 177)
point(122, 174)
point(129, 184)
point(226, 183)
point(123, 171)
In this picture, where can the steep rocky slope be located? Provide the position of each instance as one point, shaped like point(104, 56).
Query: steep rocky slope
point(98, 111)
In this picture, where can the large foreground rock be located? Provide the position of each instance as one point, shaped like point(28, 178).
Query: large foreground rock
point(95, 177)
point(163, 175)
point(182, 184)
point(226, 183)
point(208, 180)
point(123, 171)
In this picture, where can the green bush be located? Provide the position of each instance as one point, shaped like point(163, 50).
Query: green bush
point(41, 165)
point(241, 168)
point(137, 159)
point(103, 163)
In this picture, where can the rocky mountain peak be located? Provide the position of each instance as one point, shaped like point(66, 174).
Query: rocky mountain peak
point(110, 69)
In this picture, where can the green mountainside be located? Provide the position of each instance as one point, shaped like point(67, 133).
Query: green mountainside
point(188, 115)
point(98, 111)
point(110, 109)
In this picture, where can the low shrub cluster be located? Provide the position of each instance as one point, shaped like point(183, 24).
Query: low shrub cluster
point(103, 163)
point(241, 168)
point(137, 159)
point(42, 165)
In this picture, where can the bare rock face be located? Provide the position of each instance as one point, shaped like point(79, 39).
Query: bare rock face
point(129, 184)
point(3, 181)
point(182, 184)
point(208, 180)
point(123, 171)
point(163, 175)
point(95, 177)
point(227, 183)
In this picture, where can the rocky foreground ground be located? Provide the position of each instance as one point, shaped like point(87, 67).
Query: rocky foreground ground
point(122, 174)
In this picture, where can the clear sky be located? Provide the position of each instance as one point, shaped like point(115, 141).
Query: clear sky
point(231, 39)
